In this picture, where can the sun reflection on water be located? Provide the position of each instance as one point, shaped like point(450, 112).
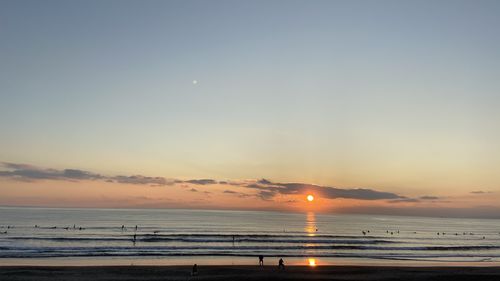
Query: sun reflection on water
point(311, 227)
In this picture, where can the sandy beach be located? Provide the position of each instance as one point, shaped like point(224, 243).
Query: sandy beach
point(76, 273)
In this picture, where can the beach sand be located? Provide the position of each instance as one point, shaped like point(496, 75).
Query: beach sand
point(241, 273)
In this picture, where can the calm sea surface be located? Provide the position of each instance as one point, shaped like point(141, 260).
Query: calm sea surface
point(33, 235)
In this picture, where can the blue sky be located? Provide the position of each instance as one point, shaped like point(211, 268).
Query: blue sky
point(397, 95)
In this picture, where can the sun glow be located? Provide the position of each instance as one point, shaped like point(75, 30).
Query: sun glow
point(312, 262)
point(310, 198)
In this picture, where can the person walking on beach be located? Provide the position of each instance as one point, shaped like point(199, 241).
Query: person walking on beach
point(195, 270)
point(281, 264)
point(261, 260)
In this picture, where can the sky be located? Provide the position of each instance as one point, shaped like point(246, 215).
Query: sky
point(372, 106)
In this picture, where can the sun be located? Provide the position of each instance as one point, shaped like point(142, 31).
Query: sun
point(310, 198)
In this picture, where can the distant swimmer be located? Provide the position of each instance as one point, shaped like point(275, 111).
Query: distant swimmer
point(135, 238)
point(123, 227)
point(364, 233)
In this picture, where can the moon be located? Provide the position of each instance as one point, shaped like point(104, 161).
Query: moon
point(310, 198)
point(195, 82)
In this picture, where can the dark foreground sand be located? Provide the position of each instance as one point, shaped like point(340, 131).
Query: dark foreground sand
point(241, 273)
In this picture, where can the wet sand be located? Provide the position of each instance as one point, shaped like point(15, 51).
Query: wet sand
point(241, 273)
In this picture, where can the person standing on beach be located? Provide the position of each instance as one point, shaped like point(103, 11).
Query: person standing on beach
point(261, 260)
point(281, 264)
point(195, 270)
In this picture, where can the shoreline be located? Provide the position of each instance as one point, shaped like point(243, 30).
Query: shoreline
point(246, 272)
point(234, 261)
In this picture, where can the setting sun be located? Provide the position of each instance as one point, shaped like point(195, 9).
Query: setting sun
point(310, 198)
point(312, 262)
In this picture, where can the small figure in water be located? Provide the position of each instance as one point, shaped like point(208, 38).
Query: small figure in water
point(261, 260)
point(281, 264)
point(136, 228)
point(123, 227)
point(195, 270)
point(135, 238)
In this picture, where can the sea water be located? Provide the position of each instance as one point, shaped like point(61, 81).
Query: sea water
point(175, 236)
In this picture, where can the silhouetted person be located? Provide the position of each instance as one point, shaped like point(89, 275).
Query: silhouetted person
point(135, 238)
point(261, 260)
point(195, 270)
point(281, 264)
point(136, 228)
point(123, 227)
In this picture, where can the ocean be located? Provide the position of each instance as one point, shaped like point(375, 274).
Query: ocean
point(174, 236)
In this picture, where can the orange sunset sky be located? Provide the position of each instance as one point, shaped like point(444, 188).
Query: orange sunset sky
point(378, 109)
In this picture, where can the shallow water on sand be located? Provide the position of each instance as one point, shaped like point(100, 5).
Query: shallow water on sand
point(236, 237)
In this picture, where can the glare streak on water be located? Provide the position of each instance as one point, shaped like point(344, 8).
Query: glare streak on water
point(176, 233)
